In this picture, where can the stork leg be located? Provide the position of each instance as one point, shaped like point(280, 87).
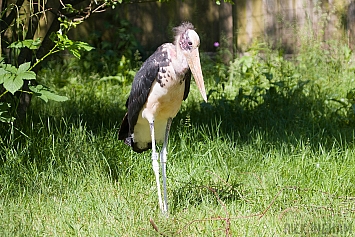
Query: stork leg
point(155, 164)
point(163, 159)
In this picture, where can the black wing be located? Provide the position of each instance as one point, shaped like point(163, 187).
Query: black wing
point(187, 79)
point(141, 85)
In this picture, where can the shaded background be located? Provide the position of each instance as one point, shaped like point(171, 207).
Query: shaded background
point(236, 25)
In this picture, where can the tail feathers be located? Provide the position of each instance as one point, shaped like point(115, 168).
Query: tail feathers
point(125, 135)
point(129, 142)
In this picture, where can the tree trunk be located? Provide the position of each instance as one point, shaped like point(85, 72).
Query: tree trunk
point(226, 29)
point(350, 25)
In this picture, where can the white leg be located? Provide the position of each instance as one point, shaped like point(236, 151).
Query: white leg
point(163, 159)
point(155, 165)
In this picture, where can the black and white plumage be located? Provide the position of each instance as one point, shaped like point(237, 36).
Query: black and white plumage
point(158, 89)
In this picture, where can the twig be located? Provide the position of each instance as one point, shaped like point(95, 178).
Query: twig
point(271, 203)
point(227, 219)
point(4, 93)
point(287, 210)
point(217, 219)
point(155, 227)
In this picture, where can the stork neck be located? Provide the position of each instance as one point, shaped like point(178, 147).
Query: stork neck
point(180, 64)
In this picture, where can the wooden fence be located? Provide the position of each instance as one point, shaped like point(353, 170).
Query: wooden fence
point(281, 22)
point(284, 22)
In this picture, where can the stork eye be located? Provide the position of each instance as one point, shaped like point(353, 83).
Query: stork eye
point(190, 43)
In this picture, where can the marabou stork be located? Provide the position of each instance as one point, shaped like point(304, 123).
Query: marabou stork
point(158, 89)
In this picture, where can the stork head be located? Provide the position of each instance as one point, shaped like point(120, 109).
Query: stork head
point(188, 40)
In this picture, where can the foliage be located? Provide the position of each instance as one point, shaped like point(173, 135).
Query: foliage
point(12, 78)
point(24, 45)
point(263, 74)
point(116, 59)
point(62, 42)
point(28, 43)
point(46, 94)
point(265, 78)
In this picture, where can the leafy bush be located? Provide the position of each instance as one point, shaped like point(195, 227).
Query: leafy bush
point(262, 74)
point(117, 57)
point(12, 78)
point(266, 89)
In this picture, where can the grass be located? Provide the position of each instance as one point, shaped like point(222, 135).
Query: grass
point(282, 167)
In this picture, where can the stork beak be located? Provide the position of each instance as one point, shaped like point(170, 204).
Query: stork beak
point(193, 59)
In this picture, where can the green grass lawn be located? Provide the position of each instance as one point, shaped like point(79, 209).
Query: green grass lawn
point(282, 167)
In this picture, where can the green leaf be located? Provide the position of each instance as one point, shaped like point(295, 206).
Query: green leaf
point(75, 52)
point(29, 43)
point(27, 75)
point(63, 42)
point(24, 67)
point(2, 73)
point(13, 83)
point(76, 46)
point(45, 94)
point(13, 77)
point(70, 9)
point(83, 46)
point(9, 68)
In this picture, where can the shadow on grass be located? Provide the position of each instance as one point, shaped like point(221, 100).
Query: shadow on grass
point(278, 120)
point(196, 192)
